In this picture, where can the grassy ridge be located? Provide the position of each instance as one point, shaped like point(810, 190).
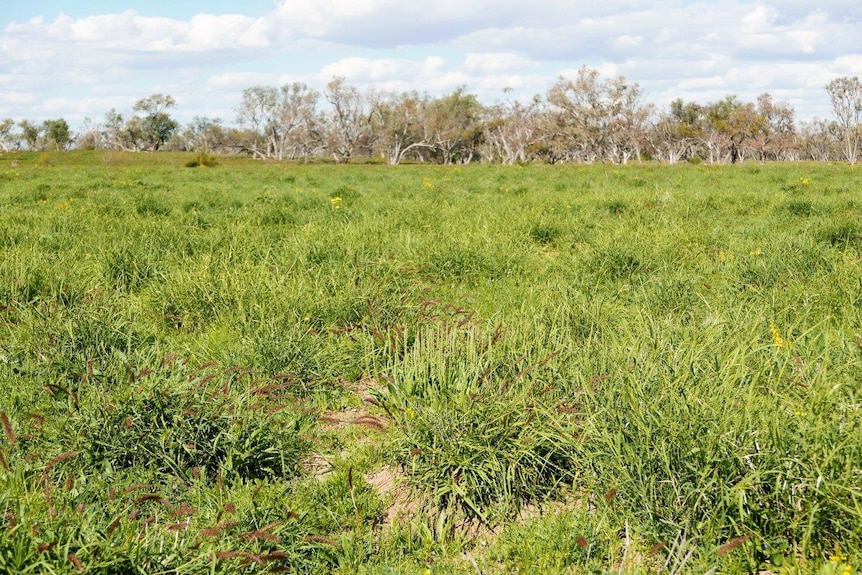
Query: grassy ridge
point(573, 368)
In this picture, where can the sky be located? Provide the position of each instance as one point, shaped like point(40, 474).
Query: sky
point(77, 59)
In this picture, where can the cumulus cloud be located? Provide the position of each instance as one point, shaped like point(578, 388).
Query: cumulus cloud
point(695, 50)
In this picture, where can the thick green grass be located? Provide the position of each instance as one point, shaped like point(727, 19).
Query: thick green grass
point(563, 369)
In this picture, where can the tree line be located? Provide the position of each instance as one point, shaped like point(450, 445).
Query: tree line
point(583, 119)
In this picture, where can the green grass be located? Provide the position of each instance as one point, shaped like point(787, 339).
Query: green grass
point(559, 369)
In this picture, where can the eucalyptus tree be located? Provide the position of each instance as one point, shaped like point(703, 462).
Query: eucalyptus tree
point(675, 134)
point(455, 125)
point(401, 125)
point(846, 96)
point(513, 129)
point(29, 134)
point(349, 123)
point(775, 134)
point(280, 122)
point(820, 140)
point(155, 126)
point(7, 136)
point(258, 115)
point(57, 133)
point(203, 134)
point(598, 120)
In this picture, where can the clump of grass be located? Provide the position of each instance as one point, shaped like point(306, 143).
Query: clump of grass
point(202, 159)
point(199, 426)
point(801, 208)
point(843, 234)
point(545, 234)
point(472, 432)
point(617, 263)
point(151, 206)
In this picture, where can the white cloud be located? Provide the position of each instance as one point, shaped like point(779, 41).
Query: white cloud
point(699, 51)
point(374, 70)
point(495, 62)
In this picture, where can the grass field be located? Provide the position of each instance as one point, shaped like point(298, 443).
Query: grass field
point(260, 367)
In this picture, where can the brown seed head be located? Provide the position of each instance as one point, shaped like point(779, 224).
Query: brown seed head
point(731, 545)
point(7, 428)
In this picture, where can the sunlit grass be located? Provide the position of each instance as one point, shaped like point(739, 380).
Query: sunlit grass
point(563, 369)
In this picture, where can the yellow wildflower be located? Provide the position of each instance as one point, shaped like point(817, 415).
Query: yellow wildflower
point(777, 340)
point(335, 201)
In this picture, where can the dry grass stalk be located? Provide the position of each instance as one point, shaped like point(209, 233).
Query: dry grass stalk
point(321, 539)
point(213, 531)
point(242, 554)
point(370, 421)
point(76, 561)
point(7, 428)
point(731, 545)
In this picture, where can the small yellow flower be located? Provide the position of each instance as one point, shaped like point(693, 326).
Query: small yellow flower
point(777, 340)
point(410, 413)
point(804, 181)
point(335, 201)
point(756, 252)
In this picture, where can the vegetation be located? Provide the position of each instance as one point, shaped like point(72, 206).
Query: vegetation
point(259, 367)
point(586, 119)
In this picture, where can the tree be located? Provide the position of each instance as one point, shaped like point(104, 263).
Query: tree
point(676, 133)
point(349, 127)
point(820, 140)
point(455, 124)
point(846, 96)
point(7, 137)
point(57, 133)
point(29, 134)
point(400, 123)
point(775, 136)
point(280, 122)
point(117, 137)
point(203, 134)
point(733, 124)
point(299, 121)
point(258, 114)
point(156, 126)
point(512, 128)
point(91, 135)
point(599, 120)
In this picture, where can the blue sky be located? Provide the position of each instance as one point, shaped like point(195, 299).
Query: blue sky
point(80, 59)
